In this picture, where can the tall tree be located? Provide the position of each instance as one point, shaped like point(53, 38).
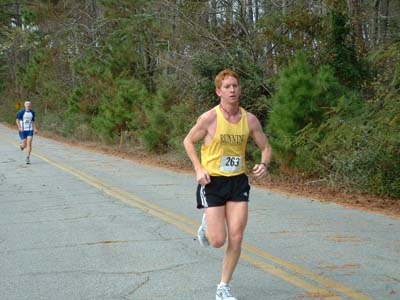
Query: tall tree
point(358, 30)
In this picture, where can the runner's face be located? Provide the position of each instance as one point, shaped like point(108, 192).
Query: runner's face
point(28, 106)
point(230, 90)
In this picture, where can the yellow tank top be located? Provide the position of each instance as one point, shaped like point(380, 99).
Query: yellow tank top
point(225, 156)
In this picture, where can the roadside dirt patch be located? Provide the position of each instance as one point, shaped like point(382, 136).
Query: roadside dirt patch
point(357, 200)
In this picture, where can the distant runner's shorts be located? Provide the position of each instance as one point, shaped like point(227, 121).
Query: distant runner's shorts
point(24, 134)
point(222, 189)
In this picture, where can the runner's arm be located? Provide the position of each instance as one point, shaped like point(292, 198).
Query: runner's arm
point(18, 125)
point(34, 127)
point(197, 133)
point(261, 140)
point(33, 121)
point(17, 121)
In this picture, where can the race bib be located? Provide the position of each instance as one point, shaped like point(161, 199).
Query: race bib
point(231, 164)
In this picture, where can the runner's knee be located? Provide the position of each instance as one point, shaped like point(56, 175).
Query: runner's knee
point(235, 239)
point(217, 240)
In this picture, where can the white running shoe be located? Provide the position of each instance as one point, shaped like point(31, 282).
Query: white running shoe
point(224, 293)
point(201, 233)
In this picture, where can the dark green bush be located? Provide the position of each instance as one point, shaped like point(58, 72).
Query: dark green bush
point(121, 110)
point(303, 98)
point(359, 145)
point(157, 130)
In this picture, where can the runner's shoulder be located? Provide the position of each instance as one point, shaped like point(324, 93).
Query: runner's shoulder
point(207, 118)
point(253, 121)
point(20, 113)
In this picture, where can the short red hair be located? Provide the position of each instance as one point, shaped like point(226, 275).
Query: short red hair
point(222, 75)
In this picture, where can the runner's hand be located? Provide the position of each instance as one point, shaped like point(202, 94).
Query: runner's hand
point(203, 177)
point(260, 170)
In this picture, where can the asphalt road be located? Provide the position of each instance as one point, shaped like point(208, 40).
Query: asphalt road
point(77, 224)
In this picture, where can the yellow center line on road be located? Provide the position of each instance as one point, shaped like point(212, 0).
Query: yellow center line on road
point(317, 292)
point(165, 215)
point(328, 283)
point(140, 200)
point(97, 183)
point(189, 226)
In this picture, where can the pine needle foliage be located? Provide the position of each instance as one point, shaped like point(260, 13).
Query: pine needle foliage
point(303, 98)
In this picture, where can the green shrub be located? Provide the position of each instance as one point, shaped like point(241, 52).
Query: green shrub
point(157, 130)
point(359, 146)
point(303, 99)
point(182, 117)
point(121, 110)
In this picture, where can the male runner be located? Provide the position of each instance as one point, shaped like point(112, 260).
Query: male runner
point(26, 126)
point(223, 188)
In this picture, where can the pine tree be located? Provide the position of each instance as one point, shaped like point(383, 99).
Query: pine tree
point(302, 99)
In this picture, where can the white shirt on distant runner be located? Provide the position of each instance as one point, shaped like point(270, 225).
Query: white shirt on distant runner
point(26, 119)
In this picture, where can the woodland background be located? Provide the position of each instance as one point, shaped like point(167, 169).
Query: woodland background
point(323, 77)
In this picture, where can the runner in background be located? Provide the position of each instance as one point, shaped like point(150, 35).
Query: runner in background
point(26, 126)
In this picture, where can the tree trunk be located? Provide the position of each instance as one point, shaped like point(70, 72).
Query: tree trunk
point(257, 10)
point(374, 31)
point(284, 6)
point(213, 14)
point(385, 23)
point(229, 12)
point(249, 9)
point(356, 12)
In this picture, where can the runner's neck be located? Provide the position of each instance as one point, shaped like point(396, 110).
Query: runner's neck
point(230, 112)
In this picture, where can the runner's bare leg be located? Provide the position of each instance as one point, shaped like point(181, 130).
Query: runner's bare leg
point(216, 228)
point(236, 217)
point(28, 145)
point(23, 143)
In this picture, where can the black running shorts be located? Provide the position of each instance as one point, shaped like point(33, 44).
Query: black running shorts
point(222, 189)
